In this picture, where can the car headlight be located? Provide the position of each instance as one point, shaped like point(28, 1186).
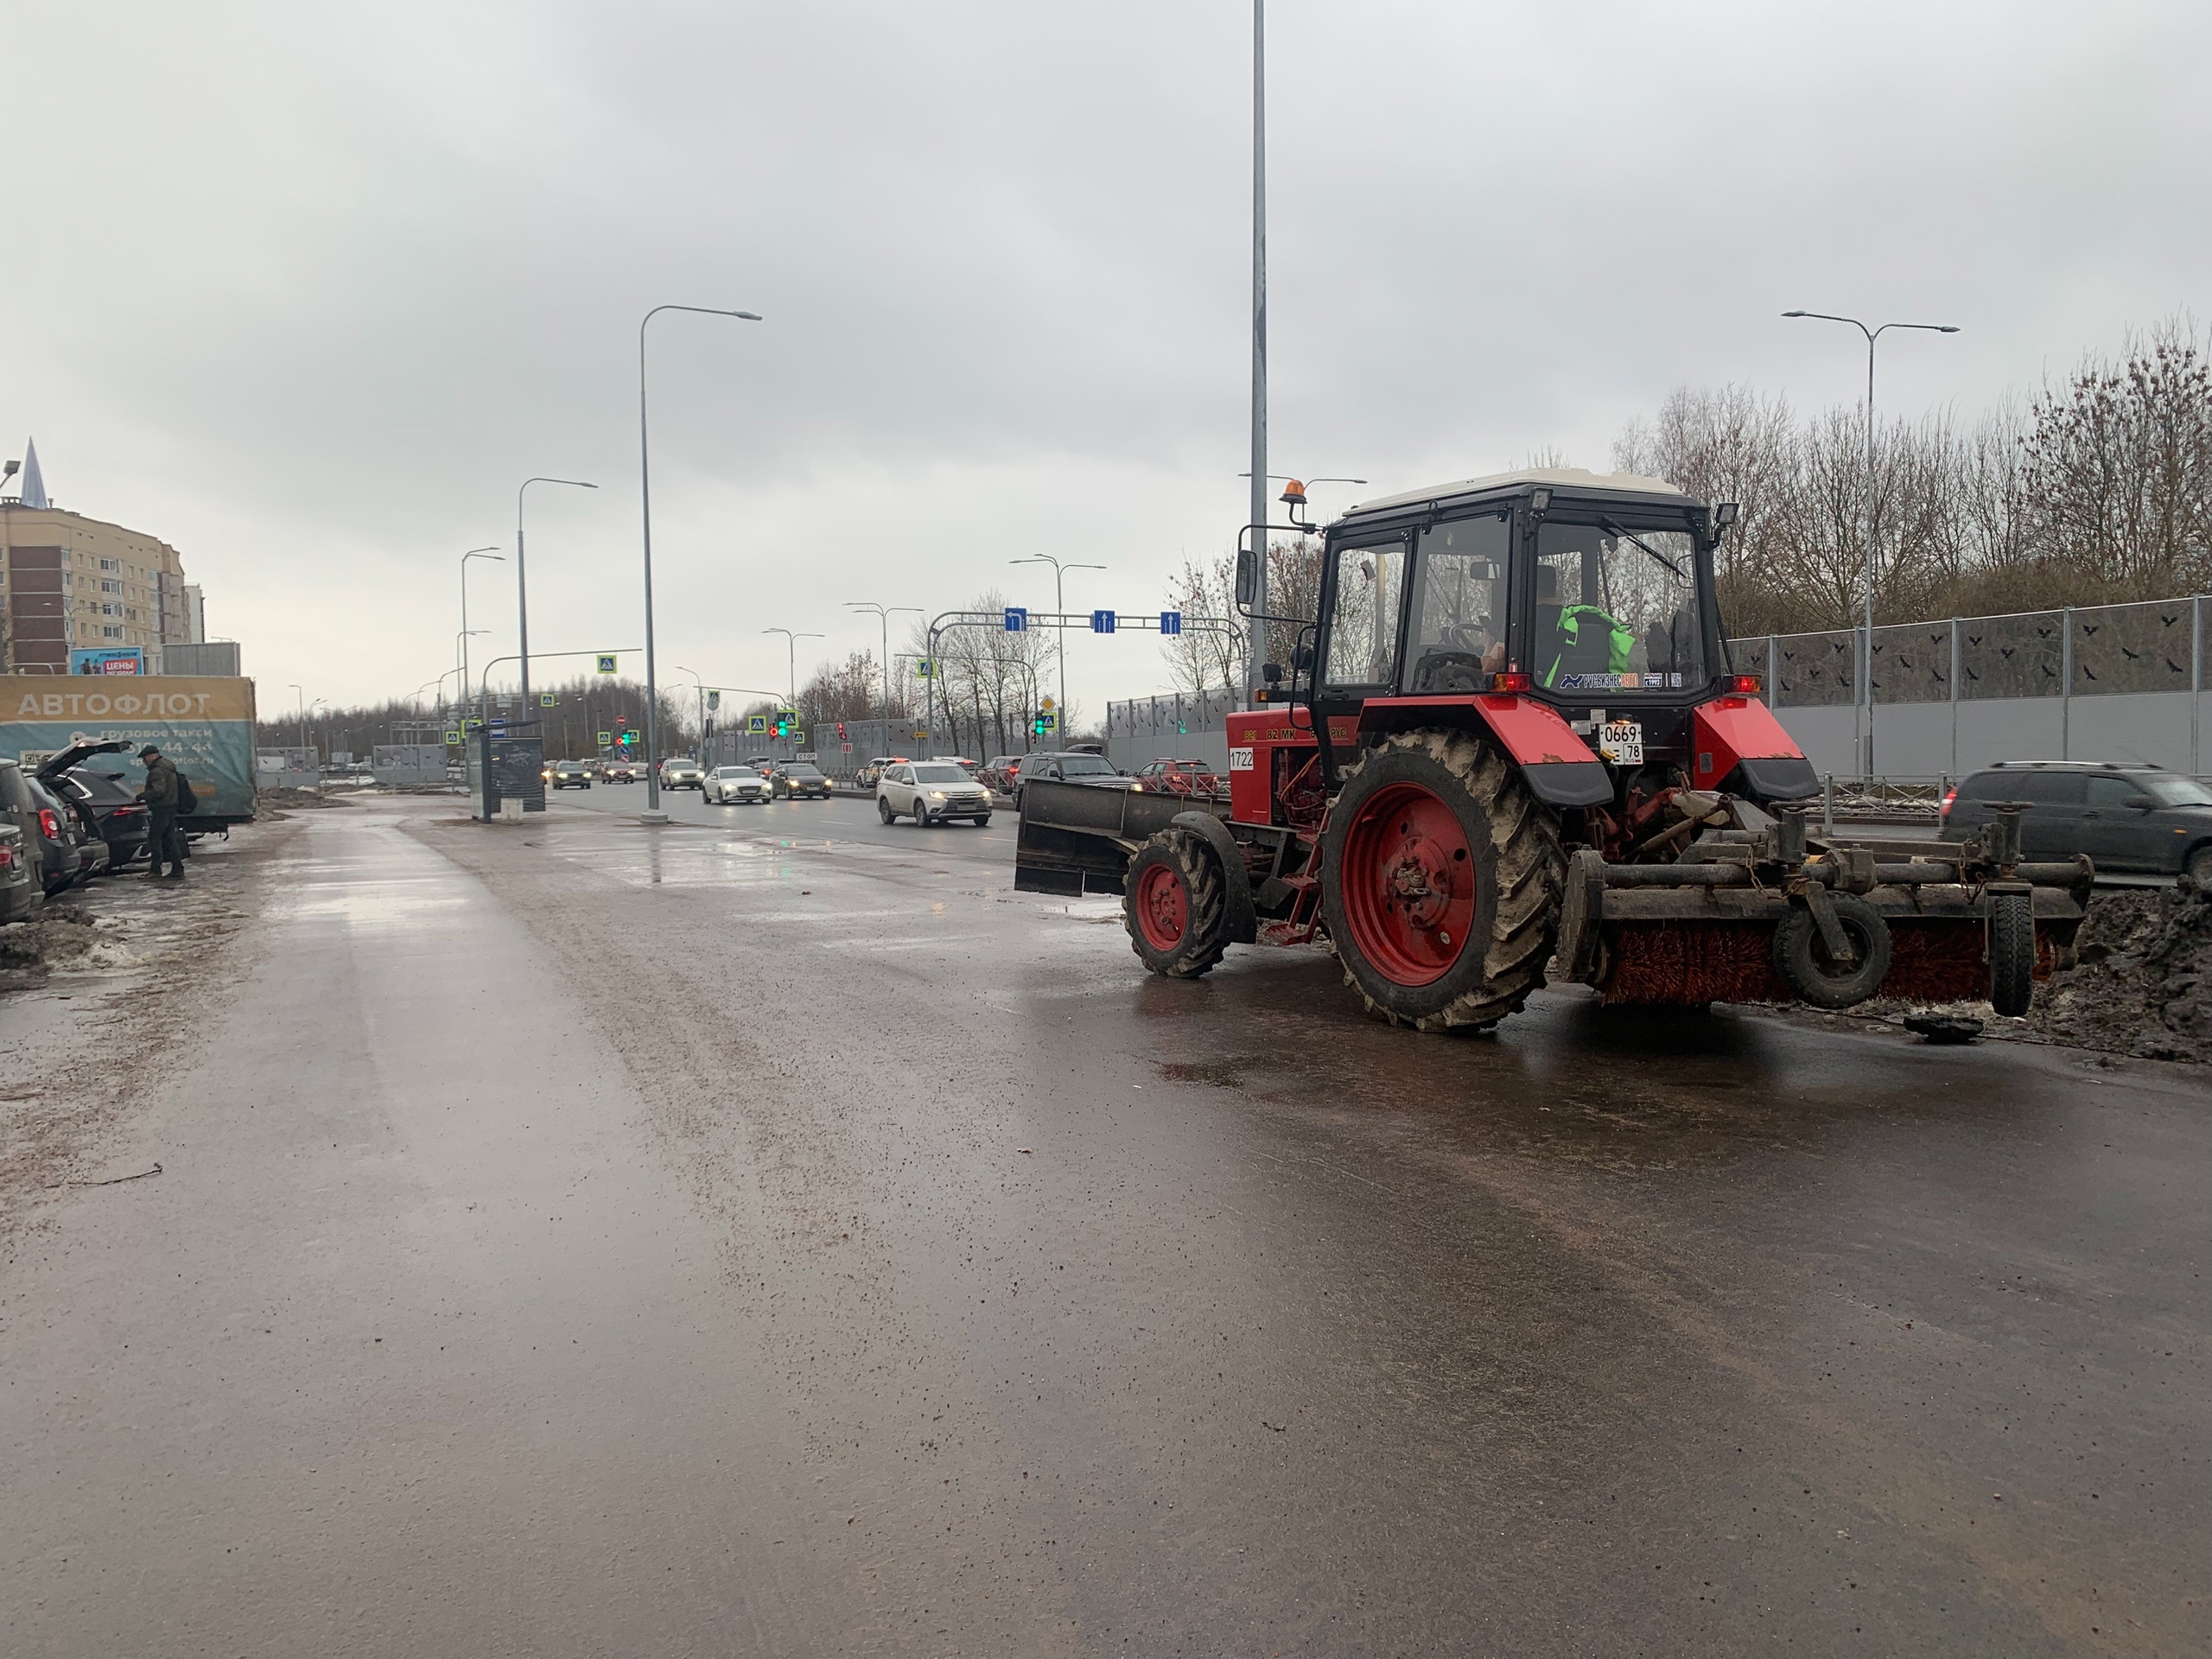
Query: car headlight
point(937, 794)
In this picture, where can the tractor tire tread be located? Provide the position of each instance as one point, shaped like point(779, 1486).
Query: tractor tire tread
point(1208, 907)
point(1531, 877)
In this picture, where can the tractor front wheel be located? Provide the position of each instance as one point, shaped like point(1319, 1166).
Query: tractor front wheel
point(1175, 906)
point(1442, 878)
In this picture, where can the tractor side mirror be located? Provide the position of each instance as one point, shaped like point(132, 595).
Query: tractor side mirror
point(1302, 658)
point(1248, 575)
point(1271, 672)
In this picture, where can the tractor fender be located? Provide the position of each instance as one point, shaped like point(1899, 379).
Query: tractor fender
point(1737, 734)
point(1558, 766)
point(1244, 921)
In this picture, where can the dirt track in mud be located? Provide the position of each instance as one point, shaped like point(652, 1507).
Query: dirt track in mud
point(781, 1235)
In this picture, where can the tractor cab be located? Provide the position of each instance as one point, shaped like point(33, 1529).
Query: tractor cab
point(1585, 599)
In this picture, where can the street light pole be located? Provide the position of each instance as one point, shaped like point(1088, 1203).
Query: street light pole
point(1866, 511)
point(793, 640)
point(883, 612)
point(472, 553)
point(1060, 602)
point(303, 717)
point(522, 576)
point(652, 813)
point(699, 688)
point(1258, 498)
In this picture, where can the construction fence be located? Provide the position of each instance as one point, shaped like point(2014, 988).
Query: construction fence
point(2084, 682)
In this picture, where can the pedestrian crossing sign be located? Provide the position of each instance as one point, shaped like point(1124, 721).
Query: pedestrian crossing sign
point(607, 662)
point(756, 725)
point(605, 738)
point(452, 737)
point(546, 699)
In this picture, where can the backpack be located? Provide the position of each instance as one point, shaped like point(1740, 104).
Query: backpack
point(186, 800)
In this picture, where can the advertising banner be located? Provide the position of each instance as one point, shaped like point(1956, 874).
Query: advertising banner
point(204, 725)
point(108, 659)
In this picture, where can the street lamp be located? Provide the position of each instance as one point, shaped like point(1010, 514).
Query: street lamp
point(303, 717)
point(652, 813)
point(461, 692)
point(793, 640)
point(1866, 665)
point(884, 612)
point(700, 687)
point(473, 553)
point(1059, 604)
point(522, 579)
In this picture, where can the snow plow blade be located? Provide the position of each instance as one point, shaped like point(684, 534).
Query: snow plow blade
point(1077, 838)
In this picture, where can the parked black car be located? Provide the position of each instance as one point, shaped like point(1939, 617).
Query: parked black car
point(53, 827)
point(102, 800)
point(2136, 818)
point(20, 893)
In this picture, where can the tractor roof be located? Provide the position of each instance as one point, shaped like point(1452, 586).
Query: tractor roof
point(1570, 481)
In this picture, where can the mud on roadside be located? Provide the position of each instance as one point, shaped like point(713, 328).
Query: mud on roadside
point(94, 991)
point(2141, 984)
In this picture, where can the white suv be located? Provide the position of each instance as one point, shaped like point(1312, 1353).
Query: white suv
point(681, 772)
point(930, 791)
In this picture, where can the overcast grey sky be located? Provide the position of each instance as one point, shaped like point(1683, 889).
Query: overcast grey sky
point(307, 289)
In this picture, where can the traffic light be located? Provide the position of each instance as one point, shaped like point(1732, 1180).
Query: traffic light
point(841, 731)
point(785, 719)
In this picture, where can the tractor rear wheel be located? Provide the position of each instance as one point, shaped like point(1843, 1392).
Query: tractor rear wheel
point(1442, 878)
point(1175, 906)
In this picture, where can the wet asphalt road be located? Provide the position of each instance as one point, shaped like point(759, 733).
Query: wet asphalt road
point(785, 1237)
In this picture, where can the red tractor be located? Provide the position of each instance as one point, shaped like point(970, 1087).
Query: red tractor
point(1512, 744)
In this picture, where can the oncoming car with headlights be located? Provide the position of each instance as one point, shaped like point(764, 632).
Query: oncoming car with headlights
point(728, 785)
point(931, 792)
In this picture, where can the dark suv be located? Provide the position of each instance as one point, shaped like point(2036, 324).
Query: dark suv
point(2126, 817)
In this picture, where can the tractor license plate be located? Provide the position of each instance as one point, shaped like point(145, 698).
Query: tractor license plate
point(1621, 742)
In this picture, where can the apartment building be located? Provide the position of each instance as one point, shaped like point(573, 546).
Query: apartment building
point(72, 583)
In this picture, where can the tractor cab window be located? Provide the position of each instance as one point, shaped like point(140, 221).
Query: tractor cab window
point(1458, 607)
point(1616, 609)
point(1363, 614)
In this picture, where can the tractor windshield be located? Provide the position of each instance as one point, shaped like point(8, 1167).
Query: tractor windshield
point(1616, 609)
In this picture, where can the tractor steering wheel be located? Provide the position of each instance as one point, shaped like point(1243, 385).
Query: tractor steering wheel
point(1451, 670)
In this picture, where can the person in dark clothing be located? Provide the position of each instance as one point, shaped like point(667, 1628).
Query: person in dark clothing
point(164, 841)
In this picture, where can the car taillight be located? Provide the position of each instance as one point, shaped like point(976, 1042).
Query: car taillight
point(130, 812)
point(48, 825)
point(1512, 680)
point(7, 858)
point(1950, 795)
point(1746, 685)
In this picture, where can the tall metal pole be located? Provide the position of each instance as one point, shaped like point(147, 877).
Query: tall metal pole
point(652, 813)
point(473, 553)
point(1866, 515)
point(1259, 500)
point(522, 578)
point(1866, 674)
point(1060, 608)
point(884, 613)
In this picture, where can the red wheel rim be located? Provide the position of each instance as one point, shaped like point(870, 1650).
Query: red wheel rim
point(1409, 884)
point(1163, 908)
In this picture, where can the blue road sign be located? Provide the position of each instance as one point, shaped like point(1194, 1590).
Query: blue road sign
point(1102, 621)
point(1171, 621)
point(1017, 619)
